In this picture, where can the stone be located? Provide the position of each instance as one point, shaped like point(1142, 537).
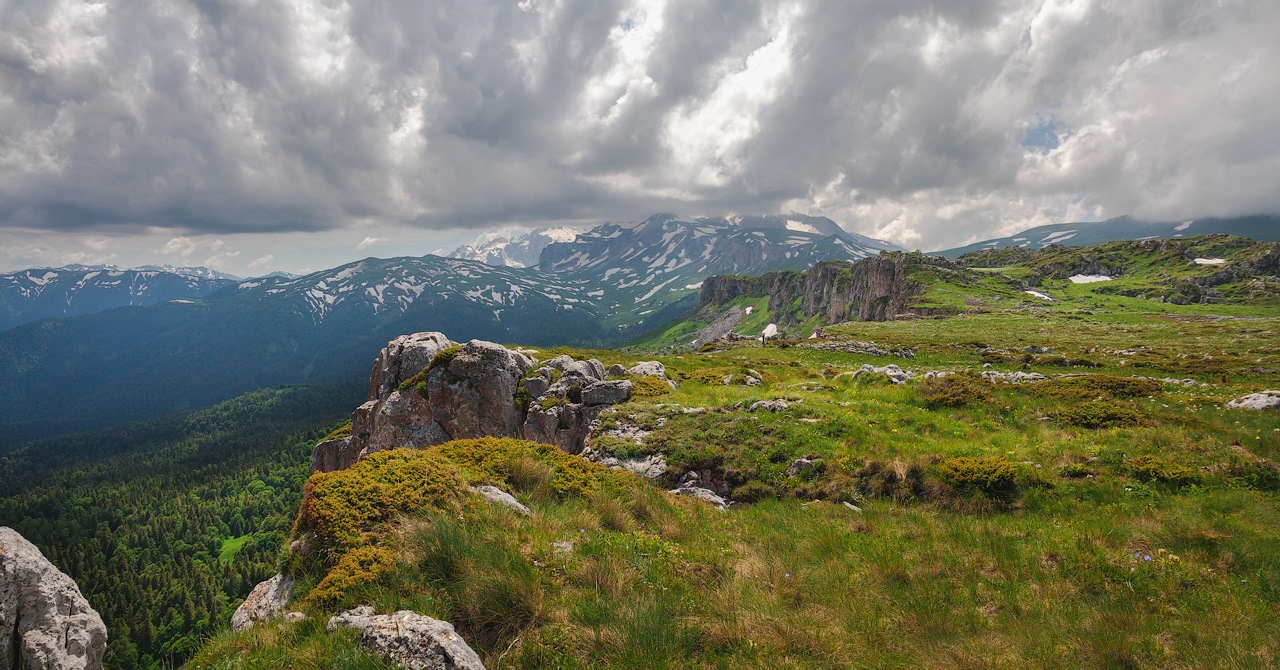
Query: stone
point(597, 368)
point(1032, 349)
point(770, 331)
point(473, 396)
point(705, 479)
point(536, 386)
point(701, 494)
point(294, 617)
point(332, 455)
point(768, 406)
point(798, 466)
point(266, 600)
point(616, 370)
point(414, 641)
point(609, 392)
point(45, 622)
point(1257, 401)
point(648, 369)
point(500, 497)
point(895, 374)
point(851, 506)
point(403, 358)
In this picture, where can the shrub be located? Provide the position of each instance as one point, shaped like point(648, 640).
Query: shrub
point(1100, 414)
point(953, 391)
point(1091, 386)
point(1153, 468)
point(753, 492)
point(358, 567)
point(418, 381)
point(495, 459)
point(648, 386)
point(991, 475)
point(340, 507)
point(444, 358)
point(709, 377)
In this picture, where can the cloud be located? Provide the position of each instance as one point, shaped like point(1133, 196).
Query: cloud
point(924, 121)
point(368, 242)
point(263, 263)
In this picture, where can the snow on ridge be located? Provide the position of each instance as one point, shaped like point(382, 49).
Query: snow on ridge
point(1210, 261)
point(1088, 279)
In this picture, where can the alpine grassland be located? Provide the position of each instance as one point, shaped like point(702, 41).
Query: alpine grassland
point(1113, 514)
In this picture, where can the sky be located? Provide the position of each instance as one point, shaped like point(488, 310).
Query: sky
point(253, 136)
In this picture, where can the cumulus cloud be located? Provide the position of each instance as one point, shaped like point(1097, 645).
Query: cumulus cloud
point(262, 263)
point(927, 122)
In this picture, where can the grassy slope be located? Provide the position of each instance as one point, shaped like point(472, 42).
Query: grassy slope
point(1051, 573)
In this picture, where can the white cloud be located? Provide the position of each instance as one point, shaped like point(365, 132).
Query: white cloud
point(368, 242)
point(900, 119)
point(263, 263)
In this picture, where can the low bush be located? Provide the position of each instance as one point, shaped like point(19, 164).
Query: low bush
point(1101, 414)
point(990, 475)
point(356, 568)
point(340, 432)
point(954, 391)
point(1092, 386)
point(648, 386)
point(1154, 468)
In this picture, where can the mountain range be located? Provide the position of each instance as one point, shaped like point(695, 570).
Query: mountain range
point(608, 285)
point(1262, 228)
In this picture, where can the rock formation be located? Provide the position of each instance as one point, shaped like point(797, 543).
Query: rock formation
point(425, 390)
point(265, 601)
point(45, 623)
point(413, 641)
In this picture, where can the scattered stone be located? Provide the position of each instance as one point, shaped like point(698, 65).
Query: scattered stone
point(45, 622)
point(500, 497)
point(609, 392)
point(800, 465)
point(562, 547)
point(851, 506)
point(1032, 349)
point(702, 494)
point(266, 600)
point(857, 347)
point(705, 479)
point(768, 406)
point(893, 372)
point(414, 641)
point(1013, 377)
point(294, 617)
point(1264, 400)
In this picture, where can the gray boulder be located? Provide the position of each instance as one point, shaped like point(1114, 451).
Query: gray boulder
point(536, 386)
point(768, 406)
point(799, 465)
point(701, 494)
point(648, 369)
point(265, 601)
point(45, 622)
point(1264, 400)
point(412, 640)
point(609, 392)
point(474, 396)
point(499, 497)
point(403, 358)
point(616, 370)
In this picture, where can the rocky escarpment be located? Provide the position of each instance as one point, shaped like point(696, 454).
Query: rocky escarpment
point(873, 289)
point(425, 390)
point(45, 623)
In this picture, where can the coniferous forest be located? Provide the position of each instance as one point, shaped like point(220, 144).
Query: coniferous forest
point(167, 525)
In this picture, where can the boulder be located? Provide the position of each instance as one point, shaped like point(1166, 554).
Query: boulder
point(768, 406)
point(701, 494)
point(499, 497)
point(536, 386)
point(609, 392)
point(1264, 400)
point(414, 641)
point(403, 358)
point(648, 369)
point(332, 455)
point(45, 622)
point(474, 395)
point(616, 370)
point(799, 465)
point(265, 601)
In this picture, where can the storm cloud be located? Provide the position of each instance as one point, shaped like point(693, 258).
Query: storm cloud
point(927, 123)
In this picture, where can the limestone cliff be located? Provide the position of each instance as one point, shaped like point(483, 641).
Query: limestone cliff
point(881, 288)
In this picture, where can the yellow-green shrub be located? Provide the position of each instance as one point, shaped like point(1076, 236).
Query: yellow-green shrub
point(648, 386)
point(492, 458)
point(340, 432)
point(954, 391)
point(1091, 386)
point(992, 475)
point(340, 507)
point(356, 568)
point(1154, 468)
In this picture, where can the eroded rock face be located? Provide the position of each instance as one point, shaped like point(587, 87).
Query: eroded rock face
point(471, 393)
point(265, 601)
point(45, 623)
point(403, 358)
point(414, 641)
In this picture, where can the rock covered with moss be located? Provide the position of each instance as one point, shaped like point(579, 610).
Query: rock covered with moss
point(45, 622)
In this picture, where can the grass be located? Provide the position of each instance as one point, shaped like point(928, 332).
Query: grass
point(231, 546)
point(1098, 520)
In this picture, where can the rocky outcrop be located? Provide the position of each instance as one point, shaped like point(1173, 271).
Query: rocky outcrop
point(472, 390)
point(412, 640)
point(45, 623)
point(880, 288)
point(1258, 401)
point(267, 600)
